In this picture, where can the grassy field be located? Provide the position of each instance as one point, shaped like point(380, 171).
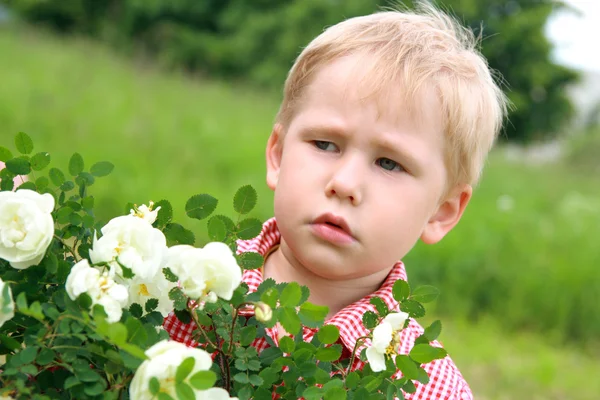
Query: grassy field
point(520, 290)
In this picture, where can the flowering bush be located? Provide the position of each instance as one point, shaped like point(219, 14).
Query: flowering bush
point(89, 301)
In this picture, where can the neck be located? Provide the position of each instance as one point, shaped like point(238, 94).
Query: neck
point(335, 294)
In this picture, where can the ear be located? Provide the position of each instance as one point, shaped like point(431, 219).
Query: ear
point(273, 156)
point(447, 215)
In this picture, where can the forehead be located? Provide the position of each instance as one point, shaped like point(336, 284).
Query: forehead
point(362, 81)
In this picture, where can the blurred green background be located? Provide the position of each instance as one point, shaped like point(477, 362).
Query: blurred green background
point(180, 95)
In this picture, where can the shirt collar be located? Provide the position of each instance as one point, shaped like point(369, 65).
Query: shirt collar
point(349, 319)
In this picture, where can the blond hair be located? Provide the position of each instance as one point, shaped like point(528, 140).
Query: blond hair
point(415, 48)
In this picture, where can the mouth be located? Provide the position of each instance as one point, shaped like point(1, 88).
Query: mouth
point(333, 228)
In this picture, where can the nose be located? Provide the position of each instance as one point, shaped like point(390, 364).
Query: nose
point(346, 181)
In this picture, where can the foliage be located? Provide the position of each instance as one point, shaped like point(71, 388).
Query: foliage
point(259, 40)
point(544, 244)
point(61, 342)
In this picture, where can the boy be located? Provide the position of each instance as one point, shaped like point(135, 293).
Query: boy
point(384, 126)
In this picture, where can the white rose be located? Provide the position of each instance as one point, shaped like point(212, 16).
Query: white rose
point(135, 242)
point(147, 213)
point(206, 273)
point(385, 340)
point(101, 288)
point(26, 227)
point(140, 291)
point(163, 359)
point(7, 305)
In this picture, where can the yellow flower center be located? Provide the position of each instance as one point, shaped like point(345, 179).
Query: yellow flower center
point(143, 290)
point(394, 345)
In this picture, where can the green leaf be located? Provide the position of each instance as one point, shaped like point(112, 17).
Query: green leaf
point(18, 166)
point(250, 260)
point(67, 186)
point(9, 343)
point(28, 354)
point(313, 315)
point(217, 232)
point(5, 154)
point(178, 234)
point(179, 299)
point(136, 334)
point(75, 164)
point(169, 275)
point(289, 319)
point(425, 294)
point(380, 306)
point(244, 200)
point(56, 176)
point(330, 353)
point(312, 393)
point(184, 369)
point(247, 335)
point(40, 161)
point(335, 393)
point(409, 387)
point(71, 382)
point(154, 386)
point(413, 308)
point(328, 334)
point(422, 376)
point(270, 296)
point(24, 143)
point(370, 319)
point(249, 228)
point(290, 296)
point(21, 301)
point(424, 353)
point(6, 180)
point(433, 331)
point(200, 206)
point(151, 305)
point(101, 168)
point(164, 396)
point(182, 315)
point(184, 391)
point(241, 377)
point(28, 185)
point(46, 356)
point(165, 214)
point(255, 380)
point(42, 183)
point(352, 380)
point(407, 366)
point(85, 179)
point(287, 344)
point(203, 380)
point(125, 270)
point(400, 290)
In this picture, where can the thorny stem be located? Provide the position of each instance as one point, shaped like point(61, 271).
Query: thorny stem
point(71, 250)
point(358, 341)
point(223, 364)
point(235, 318)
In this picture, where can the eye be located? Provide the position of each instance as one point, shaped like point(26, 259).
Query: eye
point(325, 146)
point(389, 165)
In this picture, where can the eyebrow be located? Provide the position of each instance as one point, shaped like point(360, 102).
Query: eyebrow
point(385, 143)
point(414, 163)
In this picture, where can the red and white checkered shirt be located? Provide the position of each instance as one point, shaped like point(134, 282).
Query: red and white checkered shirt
point(445, 380)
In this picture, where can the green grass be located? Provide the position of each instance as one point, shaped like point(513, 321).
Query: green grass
point(169, 137)
point(502, 365)
point(528, 269)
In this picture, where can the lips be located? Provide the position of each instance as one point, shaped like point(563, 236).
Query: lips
point(334, 230)
point(334, 221)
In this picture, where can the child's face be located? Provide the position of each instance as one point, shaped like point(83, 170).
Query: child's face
point(365, 165)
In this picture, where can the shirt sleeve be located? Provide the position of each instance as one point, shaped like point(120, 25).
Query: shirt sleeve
point(463, 392)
